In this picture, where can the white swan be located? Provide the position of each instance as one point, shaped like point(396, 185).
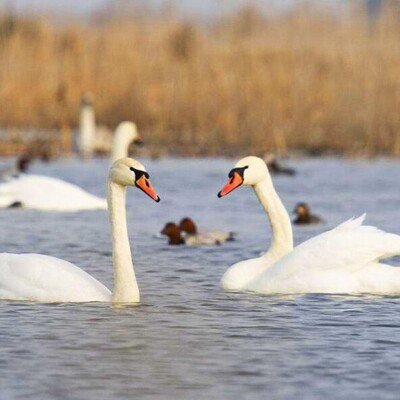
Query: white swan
point(342, 260)
point(41, 278)
point(51, 194)
point(87, 127)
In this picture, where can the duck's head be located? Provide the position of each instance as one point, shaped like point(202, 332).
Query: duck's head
point(247, 171)
point(302, 210)
point(173, 232)
point(187, 225)
point(130, 172)
point(23, 163)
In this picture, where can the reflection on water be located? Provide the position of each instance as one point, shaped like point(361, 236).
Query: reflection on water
point(188, 339)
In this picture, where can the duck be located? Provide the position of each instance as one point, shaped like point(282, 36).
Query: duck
point(275, 167)
point(189, 228)
point(171, 229)
point(304, 216)
point(46, 279)
point(52, 194)
point(343, 260)
point(21, 166)
point(174, 234)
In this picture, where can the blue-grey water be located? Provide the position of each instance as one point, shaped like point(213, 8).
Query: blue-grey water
point(188, 339)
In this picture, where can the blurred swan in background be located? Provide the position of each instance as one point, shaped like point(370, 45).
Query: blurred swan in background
point(53, 194)
point(342, 260)
point(304, 216)
point(41, 278)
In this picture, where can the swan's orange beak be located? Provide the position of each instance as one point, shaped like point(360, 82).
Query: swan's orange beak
point(145, 185)
point(235, 181)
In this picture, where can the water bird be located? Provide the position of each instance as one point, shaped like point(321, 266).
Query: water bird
point(22, 165)
point(189, 228)
point(344, 260)
point(92, 138)
point(304, 216)
point(172, 231)
point(174, 234)
point(53, 194)
point(275, 167)
point(41, 278)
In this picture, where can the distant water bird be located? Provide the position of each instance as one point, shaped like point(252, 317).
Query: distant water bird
point(172, 231)
point(189, 228)
point(304, 216)
point(22, 165)
point(275, 167)
point(175, 237)
point(343, 260)
point(87, 126)
point(125, 135)
point(53, 194)
point(41, 278)
point(95, 138)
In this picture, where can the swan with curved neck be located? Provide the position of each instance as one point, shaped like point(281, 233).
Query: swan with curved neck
point(52, 194)
point(36, 277)
point(125, 134)
point(343, 260)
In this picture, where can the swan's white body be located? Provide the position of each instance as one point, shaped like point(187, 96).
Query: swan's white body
point(36, 277)
point(47, 193)
point(342, 260)
point(51, 194)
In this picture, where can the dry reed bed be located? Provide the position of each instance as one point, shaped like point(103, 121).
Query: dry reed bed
point(301, 81)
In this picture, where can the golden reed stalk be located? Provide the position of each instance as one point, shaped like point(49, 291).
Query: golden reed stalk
point(306, 81)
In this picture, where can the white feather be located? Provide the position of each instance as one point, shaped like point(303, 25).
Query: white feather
point(36, 276)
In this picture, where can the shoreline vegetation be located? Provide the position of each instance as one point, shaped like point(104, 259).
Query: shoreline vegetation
point(304, 81)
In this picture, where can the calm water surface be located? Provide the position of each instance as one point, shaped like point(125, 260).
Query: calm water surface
point(188, 339)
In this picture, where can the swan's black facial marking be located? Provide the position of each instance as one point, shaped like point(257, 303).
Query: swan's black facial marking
point(139, 173)
point(143, 183)
point(239, 170)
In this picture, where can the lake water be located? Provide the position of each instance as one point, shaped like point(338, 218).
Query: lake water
point(188, 339)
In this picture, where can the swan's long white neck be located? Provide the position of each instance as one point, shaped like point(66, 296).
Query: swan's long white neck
point(120, 145)
point(125, 285)
point(282, 237)
point(87, 130)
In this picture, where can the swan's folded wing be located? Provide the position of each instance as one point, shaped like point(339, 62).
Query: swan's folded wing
point(38, 277)
point(47, 193)
point(350, 246)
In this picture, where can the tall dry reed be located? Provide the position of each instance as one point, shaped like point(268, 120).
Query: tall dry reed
point(247, 83)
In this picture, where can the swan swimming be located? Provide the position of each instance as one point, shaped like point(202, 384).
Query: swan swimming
point(344, 260)
point(41, 278)
point(51, 194)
